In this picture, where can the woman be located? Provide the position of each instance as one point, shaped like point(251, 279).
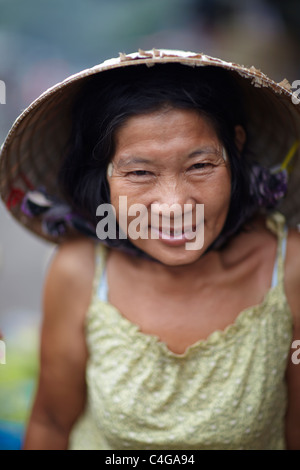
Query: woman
point(150, 341)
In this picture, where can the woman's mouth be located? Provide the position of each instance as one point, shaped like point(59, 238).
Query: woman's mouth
point(173, 236)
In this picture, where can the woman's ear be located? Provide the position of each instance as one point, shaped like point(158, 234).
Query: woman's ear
point(240, 137)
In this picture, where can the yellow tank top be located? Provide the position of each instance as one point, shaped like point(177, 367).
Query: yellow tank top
point(225, 392)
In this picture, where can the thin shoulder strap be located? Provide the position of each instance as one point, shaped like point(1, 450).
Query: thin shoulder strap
point(277, 225)
point(278, 271)
point(100, 285)
point(103, 287)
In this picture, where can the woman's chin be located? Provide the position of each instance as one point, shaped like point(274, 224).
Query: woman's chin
point(170, 253)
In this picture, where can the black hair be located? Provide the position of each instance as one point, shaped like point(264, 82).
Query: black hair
point(108, 99)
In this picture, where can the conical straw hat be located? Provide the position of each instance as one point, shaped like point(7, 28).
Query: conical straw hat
point(34, 147)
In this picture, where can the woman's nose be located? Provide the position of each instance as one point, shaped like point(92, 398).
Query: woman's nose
point(173, 192)
point(172, 201)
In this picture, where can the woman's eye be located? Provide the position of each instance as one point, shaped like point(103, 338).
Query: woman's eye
point(139, 173)
point(201, 166)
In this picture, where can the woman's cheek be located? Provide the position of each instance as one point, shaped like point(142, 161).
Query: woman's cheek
point(129, 203)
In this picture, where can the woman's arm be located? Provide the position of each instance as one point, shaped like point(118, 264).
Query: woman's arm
point(292, 279)
point(61, 393)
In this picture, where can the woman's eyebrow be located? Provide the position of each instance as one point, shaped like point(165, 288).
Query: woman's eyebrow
point(205, 151)
point(127, 161)
point(123, 162)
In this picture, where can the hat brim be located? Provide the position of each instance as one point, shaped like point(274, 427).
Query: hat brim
point(34, 148)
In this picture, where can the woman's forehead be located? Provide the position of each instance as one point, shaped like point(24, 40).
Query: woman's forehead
point(163, 130)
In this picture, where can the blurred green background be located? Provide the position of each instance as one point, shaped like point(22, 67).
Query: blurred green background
point(41, 43)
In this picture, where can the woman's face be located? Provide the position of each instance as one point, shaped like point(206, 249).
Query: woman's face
point(169, 157)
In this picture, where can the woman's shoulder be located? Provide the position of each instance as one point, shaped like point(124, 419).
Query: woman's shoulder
point(262, 230)
point(292, 264)
point(294, 241)
point(69, 280)
point(74, 259)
